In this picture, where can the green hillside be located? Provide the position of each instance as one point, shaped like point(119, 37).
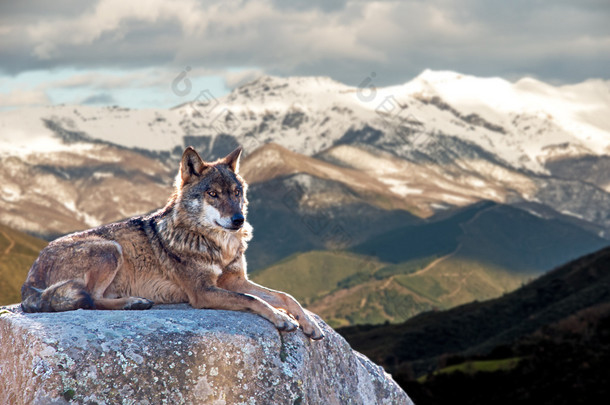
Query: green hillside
point(283, 228)
point(546, 342)
point(312, 275)
point(17, 253)
point(345, 288)
point(478, 253)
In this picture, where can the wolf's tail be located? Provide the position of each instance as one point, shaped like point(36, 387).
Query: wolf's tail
point(62, 296)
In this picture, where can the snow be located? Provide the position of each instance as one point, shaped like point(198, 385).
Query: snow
point(90, 220)
point(577, 114)
point(382, 164)
point(102, 175)
point(400, 187)
point(532, 115)
point(478, 183)
point(10, 193)
point(456, 199)
point(23, 130)
point(573, 214)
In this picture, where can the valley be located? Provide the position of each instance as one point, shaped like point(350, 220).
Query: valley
point(549, 336)
point(480, 253)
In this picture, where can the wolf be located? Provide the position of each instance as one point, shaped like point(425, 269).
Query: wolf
point(192, 250)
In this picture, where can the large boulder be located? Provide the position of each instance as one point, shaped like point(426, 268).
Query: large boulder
point(174, 354)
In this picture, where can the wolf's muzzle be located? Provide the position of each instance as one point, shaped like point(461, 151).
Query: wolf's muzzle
point(238, 220)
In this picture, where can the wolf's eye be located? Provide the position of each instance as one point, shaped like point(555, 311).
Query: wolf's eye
point(212, 194)
point(237, 192)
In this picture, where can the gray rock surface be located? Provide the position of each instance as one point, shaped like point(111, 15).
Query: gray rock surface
point(174, 354)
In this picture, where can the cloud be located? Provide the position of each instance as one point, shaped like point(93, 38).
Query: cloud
point(101, 98)
point(236, 79)
point(560, 40)
point(23, 98)
point(104, 80)
point(112, 20)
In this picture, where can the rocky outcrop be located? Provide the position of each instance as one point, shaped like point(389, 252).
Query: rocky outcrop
point(174, 354)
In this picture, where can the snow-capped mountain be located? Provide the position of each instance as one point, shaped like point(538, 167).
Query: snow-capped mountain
point(523, 124)
point(441, 140)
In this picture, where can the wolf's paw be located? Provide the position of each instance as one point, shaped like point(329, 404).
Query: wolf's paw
point(138, 303)
point(284, 322)
point(311, 329)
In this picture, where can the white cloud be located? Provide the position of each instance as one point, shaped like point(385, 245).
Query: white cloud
point(235, 79)
point(23, 98)
point(239, 39)
point(109, 17)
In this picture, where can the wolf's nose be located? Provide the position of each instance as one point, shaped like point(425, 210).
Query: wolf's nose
point(238, 220)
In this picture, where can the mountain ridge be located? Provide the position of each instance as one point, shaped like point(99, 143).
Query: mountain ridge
point(450, 139)
point(479, 253)
point(479, 327)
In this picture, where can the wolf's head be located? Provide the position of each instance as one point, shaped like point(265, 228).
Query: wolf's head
point(211, 194)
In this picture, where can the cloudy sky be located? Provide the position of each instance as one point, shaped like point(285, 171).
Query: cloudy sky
point(129, 53)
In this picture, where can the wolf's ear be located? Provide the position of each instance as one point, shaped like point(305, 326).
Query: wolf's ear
point(191, 164)
point(232, 159)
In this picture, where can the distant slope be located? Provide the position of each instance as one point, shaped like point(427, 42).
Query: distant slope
point(481, 328)
point(347, 289)
point(413, 242)
point(499, 235)
point(312, 275)
point(272, 161)
point(17, 253)
point(300, 212)
point(85, 185)
point(478, 253)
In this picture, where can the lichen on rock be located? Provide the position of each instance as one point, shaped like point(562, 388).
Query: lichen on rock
point(173, 354)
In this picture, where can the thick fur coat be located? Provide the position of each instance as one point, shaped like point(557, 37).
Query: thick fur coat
point(192, 250)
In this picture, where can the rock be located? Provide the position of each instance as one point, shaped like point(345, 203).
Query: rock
point(173, 354)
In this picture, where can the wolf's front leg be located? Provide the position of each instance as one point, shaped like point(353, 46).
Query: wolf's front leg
point(218, 298)
point(280, 299)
